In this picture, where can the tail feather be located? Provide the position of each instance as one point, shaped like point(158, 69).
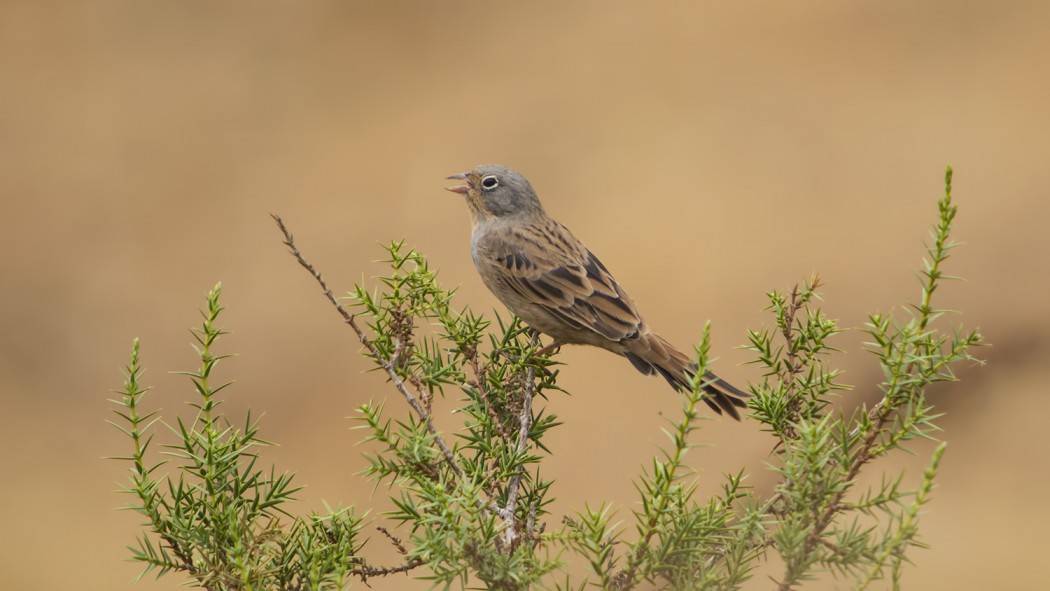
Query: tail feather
point(663, 359)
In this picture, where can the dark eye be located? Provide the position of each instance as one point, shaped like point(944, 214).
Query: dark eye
point(490, 182)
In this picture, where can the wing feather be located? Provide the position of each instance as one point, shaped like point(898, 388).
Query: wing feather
point(550, 268)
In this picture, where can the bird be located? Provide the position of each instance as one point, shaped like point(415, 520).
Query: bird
point(540, 271)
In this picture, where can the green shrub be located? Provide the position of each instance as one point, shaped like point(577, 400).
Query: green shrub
point(473, 503)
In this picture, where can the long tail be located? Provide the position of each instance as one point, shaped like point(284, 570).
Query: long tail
point(653, 354)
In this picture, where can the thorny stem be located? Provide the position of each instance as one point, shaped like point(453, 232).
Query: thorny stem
point(787, 331)
point(793, 366)
point(393, 540)
point(626, 579)
point(479, 380)
point(510, 532)
point(384, 363)
point(364, 571)
point(880, 413)
point(133, 394)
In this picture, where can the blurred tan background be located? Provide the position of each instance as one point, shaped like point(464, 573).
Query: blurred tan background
point(708, 153)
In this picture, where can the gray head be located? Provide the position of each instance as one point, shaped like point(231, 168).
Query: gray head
point(495, 191)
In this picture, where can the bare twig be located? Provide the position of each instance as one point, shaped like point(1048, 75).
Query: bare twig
point(365, 572)
point(348, 318)
point(393, 540)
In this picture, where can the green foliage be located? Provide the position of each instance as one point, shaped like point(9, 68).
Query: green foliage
point(472, 511)
point(219, 518)
point(472, 502)
point(820, 454)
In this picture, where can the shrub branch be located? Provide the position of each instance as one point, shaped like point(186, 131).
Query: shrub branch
point(384, 362)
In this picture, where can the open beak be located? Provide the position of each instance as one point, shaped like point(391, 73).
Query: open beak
point(462, 189)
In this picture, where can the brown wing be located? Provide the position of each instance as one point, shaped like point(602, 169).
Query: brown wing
point(546, 266)
point(549, 267)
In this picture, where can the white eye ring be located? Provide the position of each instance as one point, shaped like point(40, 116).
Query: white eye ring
point(489, 182)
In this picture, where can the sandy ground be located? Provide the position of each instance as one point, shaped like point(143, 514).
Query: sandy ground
point(709, 154)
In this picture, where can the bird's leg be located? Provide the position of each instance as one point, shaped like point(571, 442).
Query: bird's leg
point(544, 351)
point(534, 336)
point(553, 346)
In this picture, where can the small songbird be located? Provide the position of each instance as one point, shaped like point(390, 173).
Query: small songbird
point(539, 270)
